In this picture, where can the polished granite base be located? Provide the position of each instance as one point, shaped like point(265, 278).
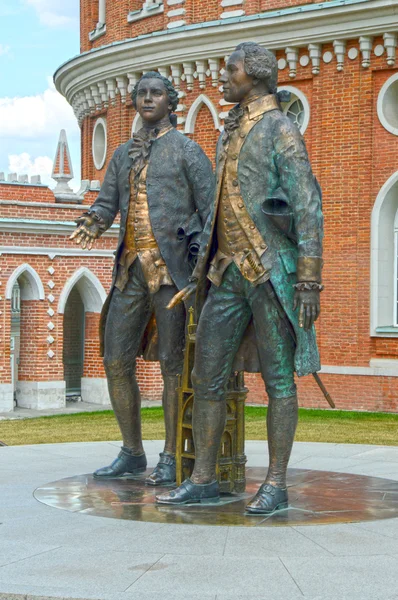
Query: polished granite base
point(315, 497)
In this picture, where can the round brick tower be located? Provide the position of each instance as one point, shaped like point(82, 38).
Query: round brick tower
point(337, 59)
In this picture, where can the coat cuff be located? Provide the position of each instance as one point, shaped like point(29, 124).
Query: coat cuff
point(309, 268)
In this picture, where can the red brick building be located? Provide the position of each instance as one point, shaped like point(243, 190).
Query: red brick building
point(338, 60)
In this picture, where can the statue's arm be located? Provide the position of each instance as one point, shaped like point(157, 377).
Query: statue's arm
point(300, 186)
point(100, 216)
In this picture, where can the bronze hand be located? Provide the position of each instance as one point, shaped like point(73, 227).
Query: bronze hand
point(308, 303)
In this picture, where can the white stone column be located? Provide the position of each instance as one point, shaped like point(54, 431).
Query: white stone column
point(101, 13)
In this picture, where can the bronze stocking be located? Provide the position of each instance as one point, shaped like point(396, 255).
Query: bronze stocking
point(170, 409)
point(208, 426)
point(281, 425)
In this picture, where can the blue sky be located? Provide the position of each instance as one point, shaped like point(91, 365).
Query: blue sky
point(36, 36)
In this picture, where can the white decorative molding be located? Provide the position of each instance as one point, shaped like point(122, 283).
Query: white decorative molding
point(189, 70)
point(53, 252)
point(51, 284)
point(292, 59)
point(50, 312)
point(41, 395)
point(51, 270)
point(194, 110)
point(282, 64)
point(149, 9)
point(232, 14)
point(390, 44)
point(353, 53)
point(50, 325)
point(137, 124)
point(315, 51)
point(201, 68)
point(176, 72)
point(387, 104)
point(30, 283)
point(122, 84)
point(339, 50)
point(100, 28)
point(214, 66)
point(304, 60)
point(50, 354)
point(372, 371)
point(175, 24)
point(365, 46)
point(90, 288)
point(378, 50)
point(50, 298)
point(99, 145)
point(382, 261)
point(327, 57)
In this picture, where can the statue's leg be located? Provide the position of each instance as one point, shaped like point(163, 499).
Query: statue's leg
point(171, 331)
point(222, 324)
point(128, 316)
point(276, 351)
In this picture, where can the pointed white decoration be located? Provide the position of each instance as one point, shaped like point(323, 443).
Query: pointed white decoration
point(51, 284)
point(122, 86)
point(111, 86)
point(50, 325)
point(50, 339)
point(50, 312)
point(50, 354)
point(63, 171)
point(315, 51)
point(51, 270)
point(133, 78)
point(50, 298)
point(201, 71)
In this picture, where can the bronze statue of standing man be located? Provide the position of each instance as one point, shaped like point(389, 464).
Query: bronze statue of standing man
point(162, 184)
point(262, 252)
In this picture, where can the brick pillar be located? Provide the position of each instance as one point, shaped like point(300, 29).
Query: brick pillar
point(94, 386)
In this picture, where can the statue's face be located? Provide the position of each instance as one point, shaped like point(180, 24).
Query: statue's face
point(153, 102)
point(237, 84)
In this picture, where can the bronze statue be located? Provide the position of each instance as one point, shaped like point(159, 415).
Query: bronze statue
point(162, 183)
point(261, 251)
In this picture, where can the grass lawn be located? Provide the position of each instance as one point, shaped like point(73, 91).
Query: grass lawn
point(314, 426)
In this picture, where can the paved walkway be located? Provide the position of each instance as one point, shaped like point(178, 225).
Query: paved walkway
point(46, 552)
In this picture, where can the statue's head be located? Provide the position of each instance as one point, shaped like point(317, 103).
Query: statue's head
point(250, 68)
point(154, 97)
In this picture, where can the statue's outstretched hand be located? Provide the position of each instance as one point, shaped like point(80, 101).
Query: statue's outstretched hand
point(89, 228)
point(308, 303)
point(182, 295)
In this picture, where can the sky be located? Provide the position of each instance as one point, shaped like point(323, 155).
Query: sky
point(36, 37)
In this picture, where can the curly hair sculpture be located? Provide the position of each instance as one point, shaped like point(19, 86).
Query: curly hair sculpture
point(260, 63)
point(171, 91)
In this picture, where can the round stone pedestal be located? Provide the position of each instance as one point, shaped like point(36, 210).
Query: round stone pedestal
point(315, 497)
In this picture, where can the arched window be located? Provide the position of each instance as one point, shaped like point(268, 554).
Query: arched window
point(297, 108)
point(193, 112)
point(384, 262)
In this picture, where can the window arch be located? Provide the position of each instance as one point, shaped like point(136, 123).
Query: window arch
point(297, 108)
point(90, 289)
point(31, 287)
point(384, 248)
point(194, 110)
point(137, 124)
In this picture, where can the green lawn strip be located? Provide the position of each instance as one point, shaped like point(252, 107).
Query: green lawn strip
point(314, 426)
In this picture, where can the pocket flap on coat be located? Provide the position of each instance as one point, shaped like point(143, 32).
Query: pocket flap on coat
point(194, 224)
point(289, 260)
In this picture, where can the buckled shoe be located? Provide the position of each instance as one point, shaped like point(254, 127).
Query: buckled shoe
point(191, 493)
point(267, 500)
point(165, 471)
point(125, 464)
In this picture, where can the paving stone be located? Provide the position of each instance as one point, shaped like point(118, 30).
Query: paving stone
point(228, 576)
point(339, 576)
point(80, 570)
point(267, 541)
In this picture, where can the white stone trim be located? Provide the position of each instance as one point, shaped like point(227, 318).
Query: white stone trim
point(53, 252)
point(381, 100)
point(33, 288)
point(302, 97)
point(147, 11)
point(137, 124)
point(374, 370)
point(194, 110)
point(314, 25)
point(374, 258)
point(99, 163)
point(95, 390)
point(47, 227)
point(6, 397)
point(39, 204)
point(90, 288)
point(41, 395)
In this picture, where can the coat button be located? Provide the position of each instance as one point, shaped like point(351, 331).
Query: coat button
point(242, 135)
point(263, 246)
point(240, 205)
point(235, 183)
point(252, 226)
point(234, 157)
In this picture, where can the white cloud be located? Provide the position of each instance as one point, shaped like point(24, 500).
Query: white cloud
point(56, 13)
point(40, 116)
point(24, 164)
point(4, 50)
